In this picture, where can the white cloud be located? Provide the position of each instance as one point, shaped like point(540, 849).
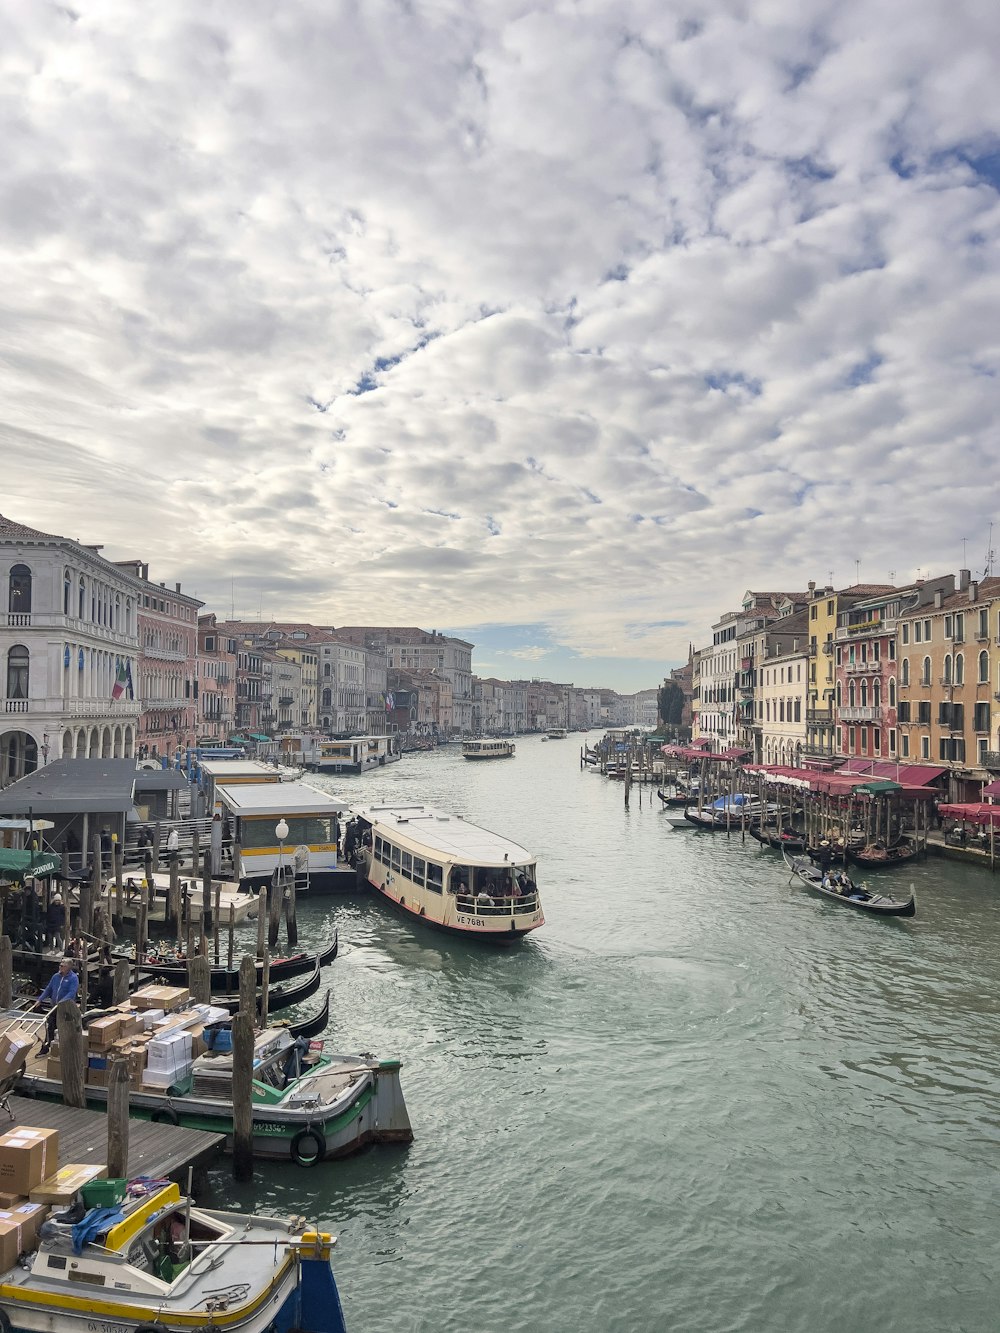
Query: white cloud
point(583, 316)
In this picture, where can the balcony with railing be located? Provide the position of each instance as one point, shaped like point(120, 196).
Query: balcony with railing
point(871, 668)
point(991, 760)
point(819, 715)
point(868, 713)
point(165, 654)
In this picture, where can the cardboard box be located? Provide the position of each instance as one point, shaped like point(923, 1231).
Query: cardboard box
point(29, 1216)
point(27, 1156)
point(53, 1067)
point(147, 997)
point(11, 1244)
point(97, 1078)
point(14, 1048)
point(150, 1017)
point(8, 1200)
point(131, 1025)
point(102, 1032)
point(174, 997)
point(169, 1051)
point(66, 1183)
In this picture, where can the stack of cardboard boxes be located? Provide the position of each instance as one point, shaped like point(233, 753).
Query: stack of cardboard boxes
point(158, 1032)
point(30, 1182)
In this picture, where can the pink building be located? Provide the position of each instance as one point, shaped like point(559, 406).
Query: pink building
point(167, 687)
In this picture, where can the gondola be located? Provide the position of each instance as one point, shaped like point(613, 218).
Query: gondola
point(781, 840)
point(225, 979)
point(314, 1024)
point(874, 857)
point(281, 997)
point(681, 800)
point(847, 892)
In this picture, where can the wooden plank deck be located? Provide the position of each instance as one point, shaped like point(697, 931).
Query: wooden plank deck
point(153, 1149)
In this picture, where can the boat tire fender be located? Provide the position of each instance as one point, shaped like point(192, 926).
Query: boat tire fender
point(163, 1115)
point(308, 1147)
point(149, 1328)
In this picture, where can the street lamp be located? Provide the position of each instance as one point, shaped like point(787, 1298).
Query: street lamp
point(281, 833)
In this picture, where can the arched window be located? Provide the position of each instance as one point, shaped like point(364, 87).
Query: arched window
point(864, 694)
point(959, 668)
point(82, 602)
point(947, 669)
point(840, 697)
point(984, 667)
point(850, 694)
point(17, 672)
point(117, 622)
point(925, 678)
point(128, 617)
point(327, 698)
point(904, 672)
point(19, 594)
point(67, 592)
point(892, 691)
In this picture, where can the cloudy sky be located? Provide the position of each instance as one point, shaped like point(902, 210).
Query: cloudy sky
point(557, 324)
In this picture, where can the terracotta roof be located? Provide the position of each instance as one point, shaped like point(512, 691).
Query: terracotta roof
point(11, 531)
point(867, 589)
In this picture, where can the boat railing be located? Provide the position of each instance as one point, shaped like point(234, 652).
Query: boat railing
point(499, 906)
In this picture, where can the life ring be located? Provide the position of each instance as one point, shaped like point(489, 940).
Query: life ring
point(310, 1139)
point(164, 1115)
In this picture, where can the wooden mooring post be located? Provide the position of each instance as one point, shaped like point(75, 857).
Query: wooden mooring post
point(261, 922)
point(274, 911)
point(242, 1097)
point(119, 991)
point(72, 1053)
point(118, 1093)
point(291, 924)
point(6, 973)
point(199, 971)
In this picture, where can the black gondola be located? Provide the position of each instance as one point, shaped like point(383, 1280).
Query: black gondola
point(314, 1024)
point(679, 801)
point(874, 857)
point(840, 888)
point(225, 979)
point(278, 998)
point(788, 840)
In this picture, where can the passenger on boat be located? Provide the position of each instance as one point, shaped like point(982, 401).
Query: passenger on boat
point(483, 899)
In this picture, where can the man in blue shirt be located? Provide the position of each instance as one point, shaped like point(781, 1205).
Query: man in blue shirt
point(63, 986)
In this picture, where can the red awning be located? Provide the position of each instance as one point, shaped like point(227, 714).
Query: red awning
point(701, 742)
point(972, 814)
point(992, 788)
point(910, 775)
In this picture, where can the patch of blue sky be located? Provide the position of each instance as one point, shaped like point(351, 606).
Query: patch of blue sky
point(724, 380)
point(864, 371)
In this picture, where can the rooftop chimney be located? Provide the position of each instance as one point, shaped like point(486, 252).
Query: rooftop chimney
point(963, 580)
point(938, 598)
point(973, 590)
point(177, 587)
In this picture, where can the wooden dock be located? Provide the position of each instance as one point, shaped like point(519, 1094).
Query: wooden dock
point(155, 1150)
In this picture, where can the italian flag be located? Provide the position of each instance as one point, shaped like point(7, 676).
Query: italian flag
point(121, 680)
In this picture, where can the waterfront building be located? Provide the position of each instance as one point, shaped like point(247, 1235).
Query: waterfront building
point(217, 681)
point(783, 690)
point(867, 669)
point(284, 693)
point(416, 650)
point(69, 644)
point(342, 695)
point(717, 711)
point(824, 605)
point(949, 681)
point(759, 609)
point(168, 665)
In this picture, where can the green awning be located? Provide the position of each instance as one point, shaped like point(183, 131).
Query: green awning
point(260, 738)
point(237, 740)
point(23, 864)
point(880, 787)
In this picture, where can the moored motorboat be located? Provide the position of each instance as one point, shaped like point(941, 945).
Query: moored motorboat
point(677, 819)
point(450, 873)
point(154, 1261)
point(838, 886)
point(308, 1105)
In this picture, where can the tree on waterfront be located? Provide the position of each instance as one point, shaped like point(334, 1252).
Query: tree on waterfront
point(669, 706)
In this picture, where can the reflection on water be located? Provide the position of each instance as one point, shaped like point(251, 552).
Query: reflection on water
point(676, 1103)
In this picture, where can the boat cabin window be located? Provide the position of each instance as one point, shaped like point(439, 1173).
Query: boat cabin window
point(406, 865)
point(379, 851)
point(396, 860)
point(435, 877)
point(417, 873)
point(168, 1244)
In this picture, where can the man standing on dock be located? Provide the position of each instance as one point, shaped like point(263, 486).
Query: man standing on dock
point(62, 986)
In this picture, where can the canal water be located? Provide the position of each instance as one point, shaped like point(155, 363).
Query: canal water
point(698, 1098)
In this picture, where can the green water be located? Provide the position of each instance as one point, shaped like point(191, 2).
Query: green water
point(698, 1098)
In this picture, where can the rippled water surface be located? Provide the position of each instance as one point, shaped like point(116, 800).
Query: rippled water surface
point(699, 1098)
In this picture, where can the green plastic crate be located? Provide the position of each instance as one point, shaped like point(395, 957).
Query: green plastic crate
point(104, 1193)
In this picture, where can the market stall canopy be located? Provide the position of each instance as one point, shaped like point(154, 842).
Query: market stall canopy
point(992, 788)
point(26, 864)
point(972, 814)
point(878, 787)
point(909, 775)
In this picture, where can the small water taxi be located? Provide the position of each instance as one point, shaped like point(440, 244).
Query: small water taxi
point(557, 733)
point(488, 749)
point(236, 903)
point(450, 873)
point(356, 754)
point(151, 1260)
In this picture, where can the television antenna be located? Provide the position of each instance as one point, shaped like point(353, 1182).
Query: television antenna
point(990, 555)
